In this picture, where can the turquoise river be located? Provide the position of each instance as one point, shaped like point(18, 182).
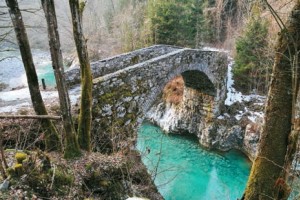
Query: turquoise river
point(182, 170)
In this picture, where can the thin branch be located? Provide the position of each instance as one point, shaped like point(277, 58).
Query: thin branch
point(2, 59)
point(53, 176)
point(31, 10)
point(26, 26)
point(6, 50)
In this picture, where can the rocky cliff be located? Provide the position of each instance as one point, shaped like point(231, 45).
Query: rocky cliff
point(183, 110)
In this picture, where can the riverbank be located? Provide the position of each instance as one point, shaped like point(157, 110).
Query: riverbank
point(93, 176)
point(14, 101)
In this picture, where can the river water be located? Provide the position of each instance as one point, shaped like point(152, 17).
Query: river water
point(183, 170)
point(12, 72)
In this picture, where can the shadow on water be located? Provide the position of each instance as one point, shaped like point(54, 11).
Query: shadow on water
point(181, 169)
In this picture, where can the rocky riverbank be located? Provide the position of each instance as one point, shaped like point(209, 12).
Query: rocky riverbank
point(183, 110)
point(237, 128)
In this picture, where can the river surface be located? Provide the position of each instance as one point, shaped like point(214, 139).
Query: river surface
point(182, 170)
point(14, 93)
point(12, 72)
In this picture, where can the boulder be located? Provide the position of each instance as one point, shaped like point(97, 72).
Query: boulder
point(4, 185)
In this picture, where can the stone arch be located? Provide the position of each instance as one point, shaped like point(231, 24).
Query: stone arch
point(122, 98)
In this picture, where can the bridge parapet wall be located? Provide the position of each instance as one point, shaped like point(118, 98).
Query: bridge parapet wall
point(110, 65)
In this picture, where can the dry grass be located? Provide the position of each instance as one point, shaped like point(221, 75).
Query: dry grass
point(173, 91)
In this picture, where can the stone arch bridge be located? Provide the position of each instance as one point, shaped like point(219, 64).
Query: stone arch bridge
point(126, 86)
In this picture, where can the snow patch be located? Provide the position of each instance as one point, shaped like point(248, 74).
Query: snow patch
point(235, 96)
point(214, 49)
point(15, 108)
point(232, 95)
point(23, 95)
point(220, 117)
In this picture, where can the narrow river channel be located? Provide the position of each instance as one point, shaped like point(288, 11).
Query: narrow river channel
point(183, 170)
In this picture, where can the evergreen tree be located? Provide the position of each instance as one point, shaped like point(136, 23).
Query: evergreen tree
point(175, 22)
point(251, 60)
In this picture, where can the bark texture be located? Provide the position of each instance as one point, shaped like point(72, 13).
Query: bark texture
point(267, 175)
point(85, 116)
point(3, 163)
point(71, 143)
point(51, 135)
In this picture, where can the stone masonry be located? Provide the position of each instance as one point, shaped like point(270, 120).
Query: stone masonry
point(123, 95)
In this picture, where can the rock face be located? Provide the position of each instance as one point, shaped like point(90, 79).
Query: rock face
point(251, 137)
point(193, 115)
point(4, 185)
point(181, 118)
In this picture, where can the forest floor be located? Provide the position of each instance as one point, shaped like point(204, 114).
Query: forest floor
point(94, 176)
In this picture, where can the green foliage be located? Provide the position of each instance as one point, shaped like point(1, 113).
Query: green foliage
point(18, 170)
point(72, 151)
point(20, 156)
point(62, 178)
point(189, 23)
point(81, 6)
point(175, 22)
point(40, 176)
point(251, 60)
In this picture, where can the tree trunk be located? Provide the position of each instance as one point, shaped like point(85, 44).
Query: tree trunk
point(3, 163)
point(85, 116)
point(52, 139)
point(267, 179)
point(71, 143)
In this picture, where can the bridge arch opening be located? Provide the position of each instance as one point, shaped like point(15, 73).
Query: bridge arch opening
point(191, 80)
point(199, 81)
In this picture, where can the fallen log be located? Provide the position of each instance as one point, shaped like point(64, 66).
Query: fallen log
point(30, 117)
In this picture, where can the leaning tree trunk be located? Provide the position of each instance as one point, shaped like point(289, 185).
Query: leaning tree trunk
point(51, 136)
point(267, 177)
point(85, 116)
point(71, 143)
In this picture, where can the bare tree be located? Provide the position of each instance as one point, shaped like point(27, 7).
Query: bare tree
point(3, 163)
point(85, 116)
point(52, 139)
point(71, 146)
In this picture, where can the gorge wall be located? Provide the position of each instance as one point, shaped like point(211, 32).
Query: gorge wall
point(184, 110)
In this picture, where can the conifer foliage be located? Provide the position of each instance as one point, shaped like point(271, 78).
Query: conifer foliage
point(252, 66)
